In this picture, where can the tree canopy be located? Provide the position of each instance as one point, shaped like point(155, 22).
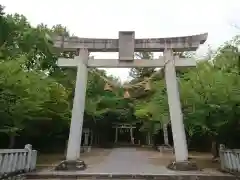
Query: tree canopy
point(36, 95)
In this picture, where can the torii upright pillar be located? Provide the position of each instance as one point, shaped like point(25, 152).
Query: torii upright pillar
point(178, 131)
point(75, 135)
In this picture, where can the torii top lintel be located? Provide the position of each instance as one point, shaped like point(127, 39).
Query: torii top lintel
point(127, 43)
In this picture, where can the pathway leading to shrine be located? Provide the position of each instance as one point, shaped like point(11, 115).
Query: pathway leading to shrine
point(128, 161)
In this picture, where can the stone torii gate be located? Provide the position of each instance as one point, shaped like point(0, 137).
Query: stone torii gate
point(126, 45)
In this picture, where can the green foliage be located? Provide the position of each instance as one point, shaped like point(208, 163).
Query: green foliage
point(25, 95)
point(138, 74)
point(36, 96)
point(209, 94)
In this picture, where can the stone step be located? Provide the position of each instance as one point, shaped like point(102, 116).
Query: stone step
point(79, 179)
point(105, 176)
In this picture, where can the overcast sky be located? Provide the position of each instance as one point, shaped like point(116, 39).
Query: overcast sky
point(148, 18)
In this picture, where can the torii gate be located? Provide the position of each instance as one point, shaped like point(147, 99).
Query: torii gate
point(126, 45)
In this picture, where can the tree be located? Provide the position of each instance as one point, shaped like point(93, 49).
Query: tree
point(140, 73)
point(24, 95)
point(36, 95)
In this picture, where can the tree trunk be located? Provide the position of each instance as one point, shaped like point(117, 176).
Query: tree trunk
point(188, 141)
point(214, 149)
point(165, 134)
point(92, 137)
point(148, 138)
point(65, 149)
point(11, 141)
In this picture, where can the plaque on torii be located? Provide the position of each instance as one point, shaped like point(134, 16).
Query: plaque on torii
point(126, 45)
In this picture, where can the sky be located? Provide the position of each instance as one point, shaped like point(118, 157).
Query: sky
point(148, 18)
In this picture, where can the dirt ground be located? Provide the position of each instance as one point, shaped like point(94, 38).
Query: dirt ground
point(94, 157)
point(97, 155)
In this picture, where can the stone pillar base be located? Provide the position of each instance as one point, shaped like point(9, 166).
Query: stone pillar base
point(183, 166)
point(71, 165)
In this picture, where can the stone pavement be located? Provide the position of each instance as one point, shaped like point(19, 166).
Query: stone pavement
point(127, 162)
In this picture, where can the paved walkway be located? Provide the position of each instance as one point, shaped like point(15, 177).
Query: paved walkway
point(131, 161)
point(127, 160)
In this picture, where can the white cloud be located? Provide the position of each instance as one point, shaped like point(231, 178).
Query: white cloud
point(151, 18)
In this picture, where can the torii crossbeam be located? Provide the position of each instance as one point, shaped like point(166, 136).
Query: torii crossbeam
point(126, 45)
